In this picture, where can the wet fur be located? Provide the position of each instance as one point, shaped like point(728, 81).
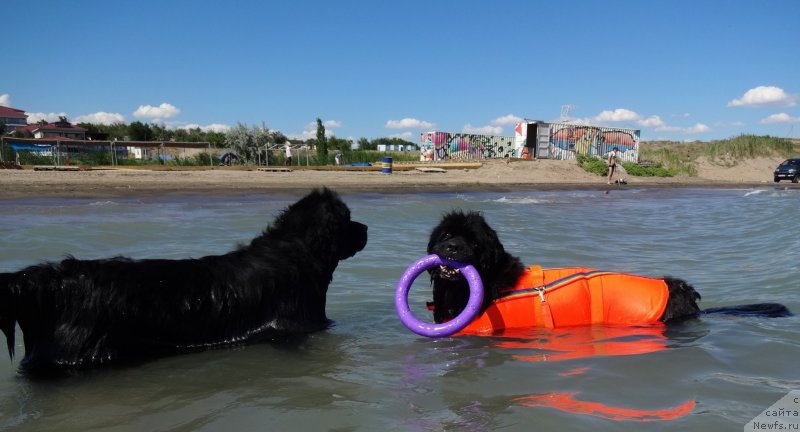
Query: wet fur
point(468, 238)
point(86, 313)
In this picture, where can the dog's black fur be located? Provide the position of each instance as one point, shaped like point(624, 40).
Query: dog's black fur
point(467, 238)
point(86, 313)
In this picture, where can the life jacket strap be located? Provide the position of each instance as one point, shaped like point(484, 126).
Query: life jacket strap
point(547, 314)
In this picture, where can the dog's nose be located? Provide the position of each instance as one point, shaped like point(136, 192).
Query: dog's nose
point(453, 247)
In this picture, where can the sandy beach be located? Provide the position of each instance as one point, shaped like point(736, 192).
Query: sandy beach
point(491, 175)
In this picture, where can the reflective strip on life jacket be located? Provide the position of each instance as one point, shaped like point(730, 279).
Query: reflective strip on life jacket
point(574, 296)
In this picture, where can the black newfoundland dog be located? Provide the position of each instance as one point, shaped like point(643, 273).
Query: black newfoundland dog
point(86, 313)
point(467, 238)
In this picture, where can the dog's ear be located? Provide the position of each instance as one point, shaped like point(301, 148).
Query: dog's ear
point(490, 247)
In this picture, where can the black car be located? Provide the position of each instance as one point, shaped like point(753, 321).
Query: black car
point(788, 170)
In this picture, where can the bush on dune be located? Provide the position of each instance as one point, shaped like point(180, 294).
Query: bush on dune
point(671, 158)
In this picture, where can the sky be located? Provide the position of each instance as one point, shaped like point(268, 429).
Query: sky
point(677, 70)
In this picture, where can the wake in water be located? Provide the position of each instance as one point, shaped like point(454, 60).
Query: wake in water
point(763, 310)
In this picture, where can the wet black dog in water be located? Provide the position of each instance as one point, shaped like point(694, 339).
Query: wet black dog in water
point(86, 313)
point(468, 238)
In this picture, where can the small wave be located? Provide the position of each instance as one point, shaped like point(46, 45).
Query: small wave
point(783, 192)
point(519, 200)
point(755, 192)
point(103, 203)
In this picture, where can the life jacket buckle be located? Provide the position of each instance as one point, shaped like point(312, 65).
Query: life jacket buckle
point(541, 290)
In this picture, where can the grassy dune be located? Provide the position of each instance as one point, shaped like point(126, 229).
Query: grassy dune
point(671, 158)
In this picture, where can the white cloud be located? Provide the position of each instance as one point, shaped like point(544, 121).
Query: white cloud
point(626, 115)
point(506, 120)
point(408, 136)
point(618, 115)
point(48, 117)
point(409, 123)
point(764, 96)
point(162, 111)
point(310, 130)
point(652, 121)
point(697, 128)
point(100, 117)
point(213, 127)
point(483, 130)
point(780, 118)
point(5, 100)
point(216, 127)
point(328, 124)
point(303, 136)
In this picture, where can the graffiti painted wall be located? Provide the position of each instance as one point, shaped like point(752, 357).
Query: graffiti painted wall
point(567, 140)
point(462, 146)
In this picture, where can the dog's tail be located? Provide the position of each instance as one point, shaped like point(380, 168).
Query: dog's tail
point(763, 310)
point(8, 320)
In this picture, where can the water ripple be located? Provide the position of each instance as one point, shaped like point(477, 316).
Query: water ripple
point(369, 373)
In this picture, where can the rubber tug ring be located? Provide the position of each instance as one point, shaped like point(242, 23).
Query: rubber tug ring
point(448, 328)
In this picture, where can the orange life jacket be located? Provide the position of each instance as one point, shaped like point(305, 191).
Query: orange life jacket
point(574, 296)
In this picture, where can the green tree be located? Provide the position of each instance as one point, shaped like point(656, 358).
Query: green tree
point(250, 144)
point(91, 128)
point(2, 127)
point(340, 144)
point(239, 140)
point(278, 137)
point(22, 134)
point(216, 139)
point(160, 133)
point(116, 131)
point(364, 144)
point(138, 131)
point(322, 144)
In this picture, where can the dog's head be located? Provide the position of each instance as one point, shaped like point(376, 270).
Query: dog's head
point(321, 220)
point(467, 238)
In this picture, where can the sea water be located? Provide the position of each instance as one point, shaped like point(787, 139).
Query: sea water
point(369, 373)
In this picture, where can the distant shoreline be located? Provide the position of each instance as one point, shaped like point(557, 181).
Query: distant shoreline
point(492, 176)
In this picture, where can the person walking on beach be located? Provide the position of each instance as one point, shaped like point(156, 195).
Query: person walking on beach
point(288, 151)
point(612, 163)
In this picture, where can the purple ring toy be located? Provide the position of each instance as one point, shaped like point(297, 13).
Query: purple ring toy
point(450, 327)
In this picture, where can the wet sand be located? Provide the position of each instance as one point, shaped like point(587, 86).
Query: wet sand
point(493, 175)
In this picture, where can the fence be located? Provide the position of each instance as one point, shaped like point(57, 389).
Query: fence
point(59, 152)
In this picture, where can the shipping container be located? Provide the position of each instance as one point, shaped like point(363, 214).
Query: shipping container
point(533, 140)
point(561, 140)
point(464, 146)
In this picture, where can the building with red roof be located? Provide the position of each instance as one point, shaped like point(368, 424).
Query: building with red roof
point(59, 129)
point(12, 118)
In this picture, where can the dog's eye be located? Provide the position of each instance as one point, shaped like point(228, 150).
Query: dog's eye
point(446, 236)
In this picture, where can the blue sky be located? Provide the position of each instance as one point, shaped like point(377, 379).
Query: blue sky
point(680, 70)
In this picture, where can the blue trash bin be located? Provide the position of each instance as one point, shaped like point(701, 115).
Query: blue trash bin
point(386, 165)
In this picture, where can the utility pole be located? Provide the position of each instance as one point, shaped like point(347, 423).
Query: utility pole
point(565, 109)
